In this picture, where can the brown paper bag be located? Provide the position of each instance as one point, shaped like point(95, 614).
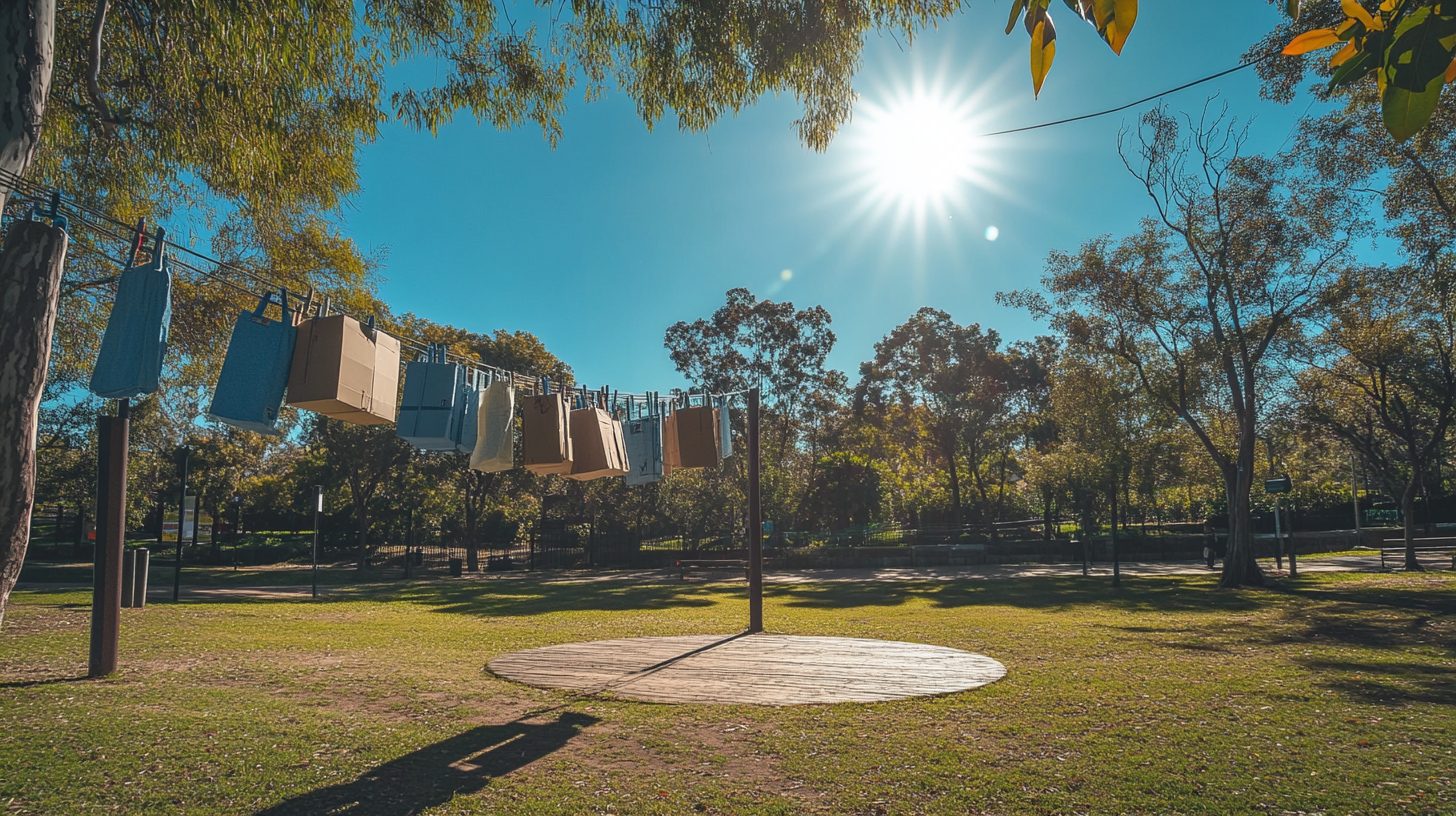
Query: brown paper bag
point(596, 444)
point(544, 437)
point(344, 370)
point(670, 458)
point(697, 437)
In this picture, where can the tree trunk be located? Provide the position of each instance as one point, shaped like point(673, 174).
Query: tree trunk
point(472, 521)
point(1239, 566)
point(30, 283)
point(1408, 516)
point(955, 482)
point(1048, 506)
point(27, 44)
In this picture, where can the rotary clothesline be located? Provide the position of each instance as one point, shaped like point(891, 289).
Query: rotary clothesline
point(337, 366)
point(49, 202)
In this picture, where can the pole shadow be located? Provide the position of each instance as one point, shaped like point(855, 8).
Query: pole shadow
point(431, 776)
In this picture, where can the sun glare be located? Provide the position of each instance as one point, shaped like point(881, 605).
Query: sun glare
point(919, 148)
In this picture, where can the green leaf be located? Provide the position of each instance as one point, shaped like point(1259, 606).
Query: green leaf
point(1291, 7)
point(1418, 54)
point(1354, 69)
point(1016, 8)
point(1406, 112)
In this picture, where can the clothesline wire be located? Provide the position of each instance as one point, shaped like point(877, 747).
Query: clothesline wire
point(1185, 86)
point(106, 225)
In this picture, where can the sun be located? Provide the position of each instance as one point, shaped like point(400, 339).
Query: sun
point(918, 148)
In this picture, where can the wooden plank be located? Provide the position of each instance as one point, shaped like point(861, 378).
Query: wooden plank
point(757, 669)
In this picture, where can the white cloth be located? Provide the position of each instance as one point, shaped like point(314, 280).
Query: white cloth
point(495, 437)
point(725, 430)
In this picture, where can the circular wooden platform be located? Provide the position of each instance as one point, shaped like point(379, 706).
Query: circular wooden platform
point(757, 669)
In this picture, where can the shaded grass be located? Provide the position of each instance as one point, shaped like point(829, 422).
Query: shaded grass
point(1329, 693)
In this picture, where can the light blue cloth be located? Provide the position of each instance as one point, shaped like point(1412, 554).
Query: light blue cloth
point(643, 438)
point(254, 375)
point(468, 425)
point(130, 362)
point(431, 410)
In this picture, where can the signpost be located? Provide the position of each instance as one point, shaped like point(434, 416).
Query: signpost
point(755, 521)
point(1275, 486)
point(318, 507)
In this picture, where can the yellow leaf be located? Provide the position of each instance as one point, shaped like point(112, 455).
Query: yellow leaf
point(1042, 54)
point(1344, 54)
point(1357, 11)
point(1125, 14)
point(1311, 41)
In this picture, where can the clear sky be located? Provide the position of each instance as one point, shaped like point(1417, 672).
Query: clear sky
point(601, 244)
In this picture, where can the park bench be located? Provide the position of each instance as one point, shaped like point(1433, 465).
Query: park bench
point(685, 565)
point(1398, 553)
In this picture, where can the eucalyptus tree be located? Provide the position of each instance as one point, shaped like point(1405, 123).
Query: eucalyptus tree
point(1202, 301)
point(956, 380)
point(1383, 379)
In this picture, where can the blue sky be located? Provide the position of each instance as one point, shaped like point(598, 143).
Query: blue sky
point(601, 244)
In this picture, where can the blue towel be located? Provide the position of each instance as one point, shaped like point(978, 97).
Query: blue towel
point(430, 411)
point(130, 362)
point(467, 426)
point(254, 375)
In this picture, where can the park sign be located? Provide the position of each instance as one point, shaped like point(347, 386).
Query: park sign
point(1282, 484)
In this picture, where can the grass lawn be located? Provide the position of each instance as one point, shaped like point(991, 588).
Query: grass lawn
point(1331, 693)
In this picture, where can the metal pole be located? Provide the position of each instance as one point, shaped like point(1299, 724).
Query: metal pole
point(1278, 538)
point(409, 536)
point(1289, 530)
point(112, 438)
point(182, 454)
point(1116, 554)
point(1355, 497)
point(318, 507)
point(755, 521)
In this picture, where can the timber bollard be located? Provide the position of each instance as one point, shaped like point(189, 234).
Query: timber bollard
point(139, 579)
point(128, 577)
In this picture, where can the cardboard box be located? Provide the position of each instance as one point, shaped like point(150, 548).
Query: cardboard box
point(597, 446)
point(544, 439)
point(697, 437)
point(344, 370)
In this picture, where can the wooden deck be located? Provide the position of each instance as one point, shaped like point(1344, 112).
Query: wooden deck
point(756, 669)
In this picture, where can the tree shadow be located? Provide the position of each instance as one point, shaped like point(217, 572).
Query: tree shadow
point(514, 599)
point(431, 776)
point(1161, 594)
point(1388, 684)
point(48, 681)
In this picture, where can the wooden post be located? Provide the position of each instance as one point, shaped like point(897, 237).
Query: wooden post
point(113, 435)
point(755, 521)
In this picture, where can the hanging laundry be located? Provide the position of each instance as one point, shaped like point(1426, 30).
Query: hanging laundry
point(250, 388)
point(495, 437)
point(345, 370)
point(467, 424)
point(596, 445)
point(697, 437)
point(671, 458)
point(130, 362)
point(429, 413)
point(725, 429)
point(643, 442)
point(544, 435)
